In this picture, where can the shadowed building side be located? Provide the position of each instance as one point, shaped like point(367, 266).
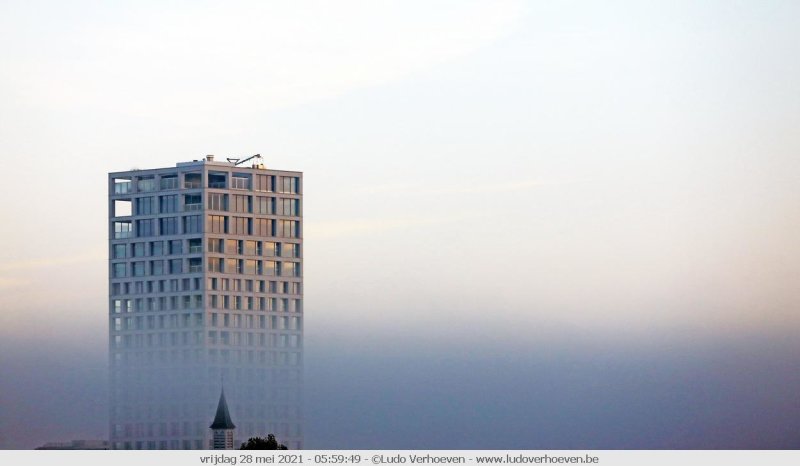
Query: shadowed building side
point(222, 427)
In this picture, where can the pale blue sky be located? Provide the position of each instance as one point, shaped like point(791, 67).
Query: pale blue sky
point(616, 167)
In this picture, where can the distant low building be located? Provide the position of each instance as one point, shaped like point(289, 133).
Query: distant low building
point(76, 445)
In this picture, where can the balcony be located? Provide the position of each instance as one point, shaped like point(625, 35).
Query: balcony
point(240, 183)
point(192, 207)
point(195, 269)
point(217, 180)
point(192, 181)
point(195, 249)
point(122, 188)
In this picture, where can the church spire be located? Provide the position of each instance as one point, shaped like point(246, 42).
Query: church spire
point(222, 426)
point(223, 418)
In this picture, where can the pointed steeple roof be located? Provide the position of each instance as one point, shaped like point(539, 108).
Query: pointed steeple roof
point(223, 418)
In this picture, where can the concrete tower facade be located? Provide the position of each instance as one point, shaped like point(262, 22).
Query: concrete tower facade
point(205, 282)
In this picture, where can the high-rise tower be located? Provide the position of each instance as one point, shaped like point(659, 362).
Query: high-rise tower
point(205, 281)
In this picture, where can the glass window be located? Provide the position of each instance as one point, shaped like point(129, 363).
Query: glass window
point(147, 184)
point(290, 207)
point(169, 204)
point(232, 246)
point(265, 183)
point(241, 225)
point(265, 205)
point(217, 201)
point(192, 224)
point(157, 248)
point(175, 246)
point(232, 266)
point(145, 227)
point(169, 182)
point(176, 266)
point(215, 245)
point(119, 251)
point(119, 270)
point(122, 230)
point(217, 224)
point(289, 228)
point(290, 250)
point(168, 225)
point(289, 184)
point(138, 250)
point(240, 203)
point(145, 206)
point(215, 264)
point(265, 227)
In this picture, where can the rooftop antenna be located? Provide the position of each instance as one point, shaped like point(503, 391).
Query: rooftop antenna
point(236, 162)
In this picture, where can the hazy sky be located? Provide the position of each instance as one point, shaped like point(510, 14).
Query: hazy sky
point(477, 174)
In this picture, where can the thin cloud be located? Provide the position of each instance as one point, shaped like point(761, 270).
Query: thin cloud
point(336, 228)
point(407, 189)
point(45, 262)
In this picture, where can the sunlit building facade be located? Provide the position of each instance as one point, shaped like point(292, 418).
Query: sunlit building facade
point(205, 285)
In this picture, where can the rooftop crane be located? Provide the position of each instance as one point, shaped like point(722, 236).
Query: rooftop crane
point(236, 162)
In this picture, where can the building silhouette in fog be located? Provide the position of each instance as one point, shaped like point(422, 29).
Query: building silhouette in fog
point(205, 281)
point(76, 445)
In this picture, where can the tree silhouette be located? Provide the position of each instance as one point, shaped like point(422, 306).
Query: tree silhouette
point(261, 443)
